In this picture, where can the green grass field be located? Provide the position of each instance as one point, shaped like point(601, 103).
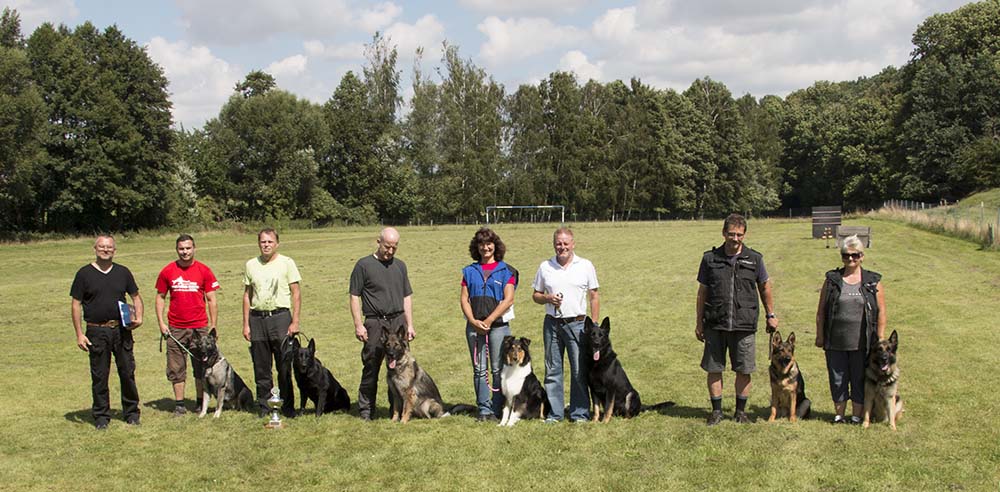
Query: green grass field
point(943, 296)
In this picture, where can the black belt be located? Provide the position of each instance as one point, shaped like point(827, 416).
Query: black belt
point(569, 319)
point(267, 314)
point(387, 317)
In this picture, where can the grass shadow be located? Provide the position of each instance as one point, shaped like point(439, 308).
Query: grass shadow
point(86, 416)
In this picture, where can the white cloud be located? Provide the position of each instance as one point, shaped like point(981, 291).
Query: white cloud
point(616, 25)
point(34, 13)
point(509, 7)
point(576, 61)
point(200, 83)
point(293, 65)
point(246, 21)
point(379, 16)
point(427, 32)
point(515, 39)
point(347, 51)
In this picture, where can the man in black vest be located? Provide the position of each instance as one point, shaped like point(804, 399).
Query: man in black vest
point(729, 280)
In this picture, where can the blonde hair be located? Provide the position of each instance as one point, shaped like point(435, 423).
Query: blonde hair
point(852, 242)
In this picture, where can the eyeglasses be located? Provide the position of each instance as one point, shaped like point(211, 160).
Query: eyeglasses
point(852, 256)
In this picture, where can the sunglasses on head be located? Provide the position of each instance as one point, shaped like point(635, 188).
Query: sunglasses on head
point(853, 256)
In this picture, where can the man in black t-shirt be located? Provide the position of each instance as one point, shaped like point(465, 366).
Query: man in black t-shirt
point(97, 289)
point(380, 291)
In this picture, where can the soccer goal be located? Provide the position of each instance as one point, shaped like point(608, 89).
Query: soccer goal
point(521, 212)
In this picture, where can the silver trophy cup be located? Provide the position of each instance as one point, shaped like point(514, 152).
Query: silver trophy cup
point(274, 403)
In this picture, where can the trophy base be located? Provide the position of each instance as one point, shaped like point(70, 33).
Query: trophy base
point(274, 425)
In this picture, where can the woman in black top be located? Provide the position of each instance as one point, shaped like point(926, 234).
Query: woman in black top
point(850, 316)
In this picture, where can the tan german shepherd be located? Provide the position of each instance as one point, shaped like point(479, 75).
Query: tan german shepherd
point(788, 388)
point(412, 392)
point(882, 400)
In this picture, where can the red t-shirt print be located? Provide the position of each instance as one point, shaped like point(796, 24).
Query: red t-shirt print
point(187, 288)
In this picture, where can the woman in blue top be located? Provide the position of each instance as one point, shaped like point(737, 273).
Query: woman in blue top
point(487, 302)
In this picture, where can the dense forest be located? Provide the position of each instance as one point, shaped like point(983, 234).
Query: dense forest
point(87, 141)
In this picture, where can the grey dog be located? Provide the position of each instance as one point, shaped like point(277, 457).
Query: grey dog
point(221, 379)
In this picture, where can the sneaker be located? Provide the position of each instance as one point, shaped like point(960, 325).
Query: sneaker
point(552, 420)
point(741, 418)
point(839, 419)
point(179, 411)
point(855, 420)
point(714, 418)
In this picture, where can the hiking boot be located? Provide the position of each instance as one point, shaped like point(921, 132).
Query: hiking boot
point(714, 418)
point(741, 418)
point(179, 411)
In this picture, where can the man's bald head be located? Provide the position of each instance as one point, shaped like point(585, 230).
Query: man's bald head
point(388, 241)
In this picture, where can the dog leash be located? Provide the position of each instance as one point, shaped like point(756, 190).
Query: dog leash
point(178, 342)
point(475, 351)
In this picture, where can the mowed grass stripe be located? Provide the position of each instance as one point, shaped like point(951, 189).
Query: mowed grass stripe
point(942, 297)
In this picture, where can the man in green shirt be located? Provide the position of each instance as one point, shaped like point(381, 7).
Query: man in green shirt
point(271, 303)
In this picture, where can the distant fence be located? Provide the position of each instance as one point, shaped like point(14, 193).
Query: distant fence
point(979, 224)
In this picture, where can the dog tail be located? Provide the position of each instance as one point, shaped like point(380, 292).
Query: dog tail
point(460, 408)
point(657, 407)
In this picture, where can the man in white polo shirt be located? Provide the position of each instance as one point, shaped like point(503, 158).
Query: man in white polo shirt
point(565, 284)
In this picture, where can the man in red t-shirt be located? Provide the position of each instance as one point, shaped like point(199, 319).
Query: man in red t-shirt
point(191, 285)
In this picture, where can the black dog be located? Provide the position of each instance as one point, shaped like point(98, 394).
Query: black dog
point(316, 382)
point(610, 388)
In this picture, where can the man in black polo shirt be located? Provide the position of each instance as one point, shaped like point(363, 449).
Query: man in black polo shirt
point(380, 291)
point(729, 280)
point(97, 289)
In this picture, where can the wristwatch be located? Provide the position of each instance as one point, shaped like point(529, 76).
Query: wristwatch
point(771, 316)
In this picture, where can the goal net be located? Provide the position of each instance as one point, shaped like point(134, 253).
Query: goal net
point(496, 214)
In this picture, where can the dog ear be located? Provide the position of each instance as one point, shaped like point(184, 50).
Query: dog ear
point(776, 338)
point(213, 334)
point(588, 324)
point(525, 341)
point(295, 343)
point(791, 339)
point(606, 324)
point(894, 340)
point(312, 346)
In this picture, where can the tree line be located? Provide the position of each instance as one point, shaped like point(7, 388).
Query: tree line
point(86, 139)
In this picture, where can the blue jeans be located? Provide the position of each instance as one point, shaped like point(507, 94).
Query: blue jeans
point(561, 337)
point(489, 401)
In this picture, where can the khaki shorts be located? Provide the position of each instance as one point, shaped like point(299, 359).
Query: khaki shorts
point(740, 345)
point(177, 357)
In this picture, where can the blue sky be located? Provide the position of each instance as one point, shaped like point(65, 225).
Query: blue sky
point(759, 47)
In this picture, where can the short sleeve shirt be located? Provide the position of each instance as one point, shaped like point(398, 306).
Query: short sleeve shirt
point(381, 285)
point(186, 288)
point(573, 282)
point(99, 292)
point(271, 282)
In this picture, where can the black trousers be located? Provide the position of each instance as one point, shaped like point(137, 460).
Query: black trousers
point(372, 354)
point(106, 342)
point(266, 337)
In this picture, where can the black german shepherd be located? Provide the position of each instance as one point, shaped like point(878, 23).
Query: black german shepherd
point(412, 392)
point(610, 389)
point(788, 388)
point(221, 379)
point(316, 382)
